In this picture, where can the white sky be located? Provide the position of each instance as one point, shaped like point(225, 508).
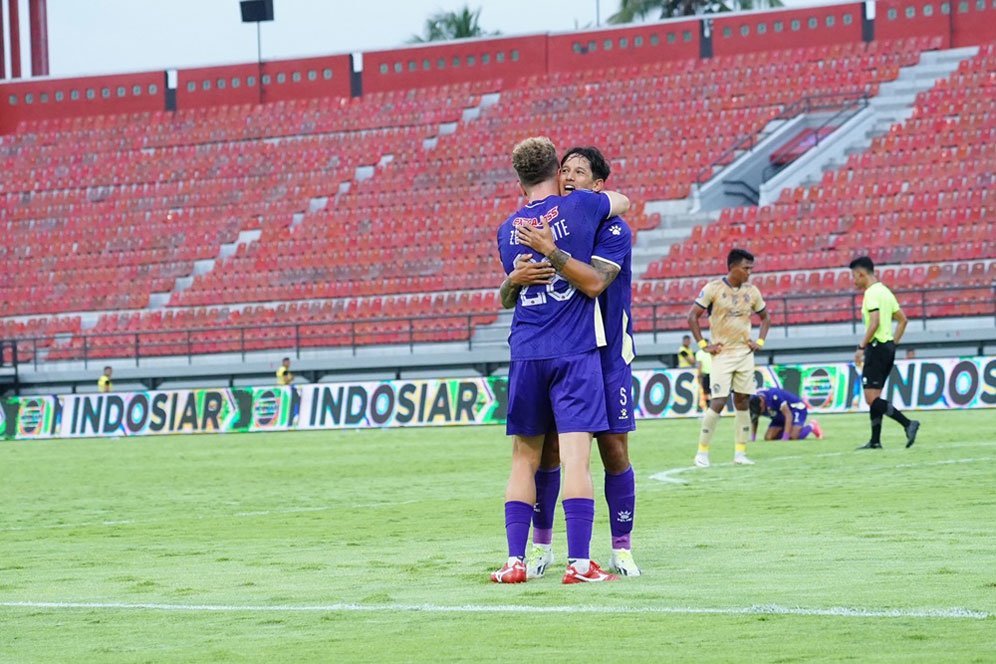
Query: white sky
point(107, 36)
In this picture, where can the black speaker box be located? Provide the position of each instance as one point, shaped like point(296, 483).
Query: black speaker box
point(255, 11)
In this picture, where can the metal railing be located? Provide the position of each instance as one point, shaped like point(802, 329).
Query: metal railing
point(291, 338)
point(846, 112)
point(743, 190)
point(787, 311)
point(843, 101)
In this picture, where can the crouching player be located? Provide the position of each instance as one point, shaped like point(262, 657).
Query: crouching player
point(788, 415)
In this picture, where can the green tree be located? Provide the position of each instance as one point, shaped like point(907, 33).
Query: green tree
point(444, 26)
point(632, 10)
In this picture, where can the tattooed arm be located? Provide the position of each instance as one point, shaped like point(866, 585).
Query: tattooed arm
point(589, 279)
point(525, 273)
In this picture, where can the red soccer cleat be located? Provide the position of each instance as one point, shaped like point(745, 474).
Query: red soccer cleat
point(514, 573)
point(817, 429)
point(593, 575)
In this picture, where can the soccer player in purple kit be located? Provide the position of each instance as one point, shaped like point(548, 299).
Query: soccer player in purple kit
point(587, 168)
point(788, 413)
point(555, 376)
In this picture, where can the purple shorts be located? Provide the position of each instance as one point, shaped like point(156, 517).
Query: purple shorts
point(619, 400)
point(562, 393)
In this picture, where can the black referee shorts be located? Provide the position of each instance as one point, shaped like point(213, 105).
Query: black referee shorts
point(879, 358)
point(706, 385)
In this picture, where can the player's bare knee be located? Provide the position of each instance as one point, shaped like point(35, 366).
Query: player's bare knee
point(551, 452)
point(614, 450)
point(772, 434)
point(575, 449)
point(524, 456)
point(549, 462)
point(741, 401)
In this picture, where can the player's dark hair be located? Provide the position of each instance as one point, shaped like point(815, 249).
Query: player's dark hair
point(599, 165)
point(286, 359)
point(535, 161)
point(863, 262)
point(737, 255)
point(106, 368)
point(755, 407)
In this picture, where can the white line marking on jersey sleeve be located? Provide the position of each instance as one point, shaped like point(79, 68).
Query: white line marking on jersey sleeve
point(954, 613)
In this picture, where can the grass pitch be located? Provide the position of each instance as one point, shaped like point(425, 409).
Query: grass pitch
point(376, 546)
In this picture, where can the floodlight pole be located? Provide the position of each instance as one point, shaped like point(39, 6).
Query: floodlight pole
point(257, 11)
point(259, 60)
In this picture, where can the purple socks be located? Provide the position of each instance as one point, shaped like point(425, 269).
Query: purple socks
point(547, 492)
point(579, 513)
point(805, 431)
point(620, 494)
point(517, 516)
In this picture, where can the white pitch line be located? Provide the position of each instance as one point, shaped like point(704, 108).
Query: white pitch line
point(755, 609)
point(668, 476)
point(940, 463)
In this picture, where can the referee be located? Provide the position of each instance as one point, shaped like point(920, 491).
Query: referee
point(878, 350)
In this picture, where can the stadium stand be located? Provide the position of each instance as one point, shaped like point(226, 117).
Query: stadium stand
point(921, 197)
point(333, 221)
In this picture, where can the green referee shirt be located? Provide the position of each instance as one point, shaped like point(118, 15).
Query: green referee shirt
point(879, 298)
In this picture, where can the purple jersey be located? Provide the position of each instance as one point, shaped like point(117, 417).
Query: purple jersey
point(774, 397)
point(614, 244)
point(555, 320)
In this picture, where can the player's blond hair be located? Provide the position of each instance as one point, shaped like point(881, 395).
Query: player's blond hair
point(535, 160)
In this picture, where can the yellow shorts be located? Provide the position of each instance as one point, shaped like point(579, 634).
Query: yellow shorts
point(732, 369)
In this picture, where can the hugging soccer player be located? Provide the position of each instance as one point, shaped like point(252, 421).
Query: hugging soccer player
point(586, 168)
point(555, 376)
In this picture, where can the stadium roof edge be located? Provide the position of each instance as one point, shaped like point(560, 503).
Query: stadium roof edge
point(455, 42)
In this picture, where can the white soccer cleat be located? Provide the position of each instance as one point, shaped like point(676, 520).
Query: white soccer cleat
point(741, 459)
point(540, 557)
point(622, 563)
point(702, 459)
